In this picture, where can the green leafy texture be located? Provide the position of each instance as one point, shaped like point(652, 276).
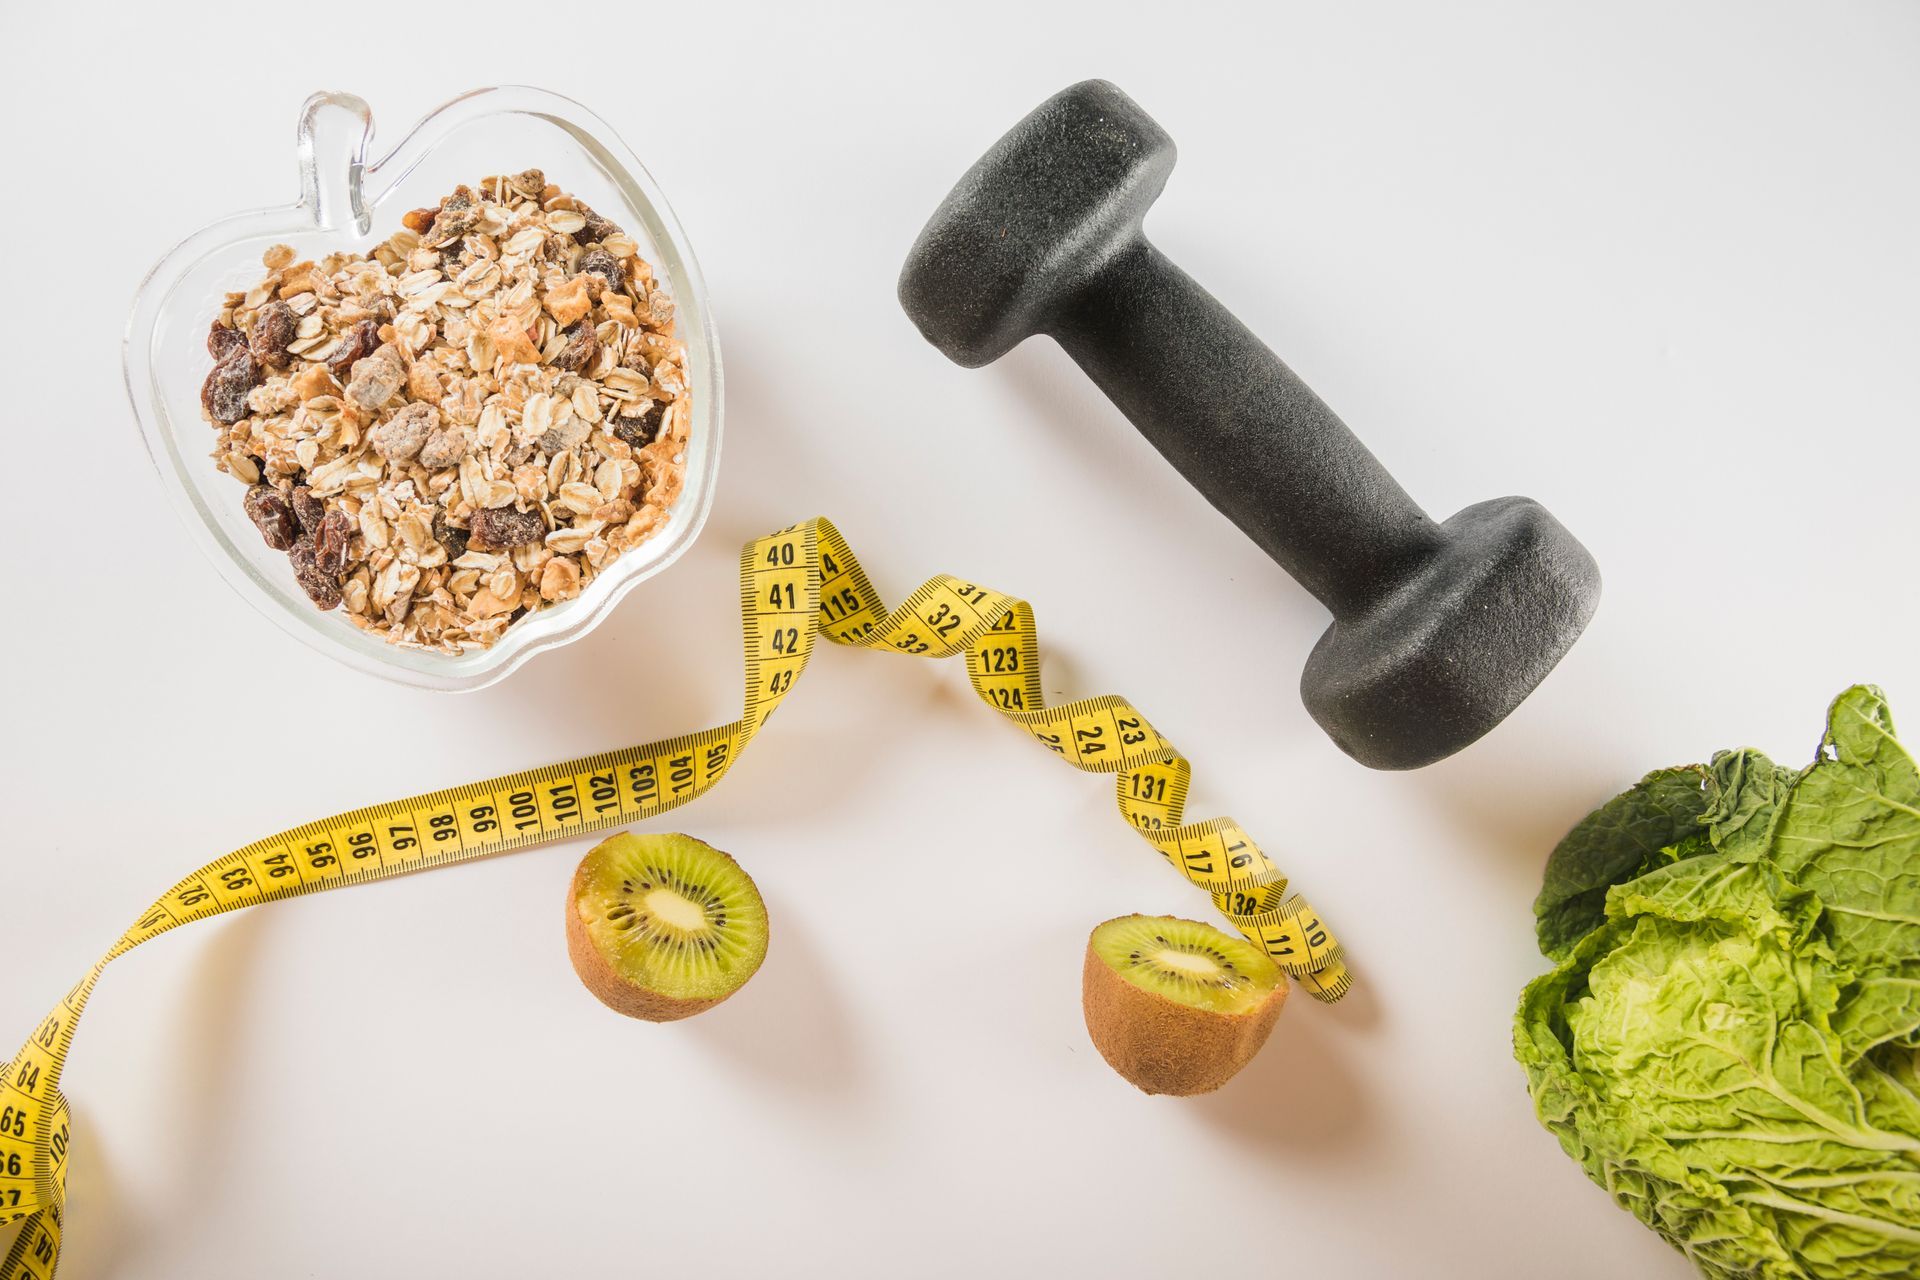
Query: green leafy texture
point(1746, 793)
point(1627, 836)
point(1851, 834)
point(1729, 1051)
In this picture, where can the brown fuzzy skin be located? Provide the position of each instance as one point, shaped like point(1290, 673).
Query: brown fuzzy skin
point(1164, 1046)
point(601, 978)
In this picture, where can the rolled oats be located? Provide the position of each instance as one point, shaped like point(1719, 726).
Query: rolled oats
point(462, 425)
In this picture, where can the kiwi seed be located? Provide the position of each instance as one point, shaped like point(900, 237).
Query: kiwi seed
point(663, 926)
point(1177, 1006)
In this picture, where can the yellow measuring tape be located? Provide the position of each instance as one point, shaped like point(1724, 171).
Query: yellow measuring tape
point(795, 584)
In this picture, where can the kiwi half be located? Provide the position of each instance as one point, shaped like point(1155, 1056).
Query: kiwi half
point(663, 926)
point(1177, 1006)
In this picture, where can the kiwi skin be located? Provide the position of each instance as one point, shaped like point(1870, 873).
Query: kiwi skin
point(606, 983)
point(1163, 1046)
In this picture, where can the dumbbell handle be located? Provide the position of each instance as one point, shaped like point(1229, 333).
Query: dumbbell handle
point(1240, 425)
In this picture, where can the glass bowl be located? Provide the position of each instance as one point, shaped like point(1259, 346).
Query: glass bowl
point(347, 203)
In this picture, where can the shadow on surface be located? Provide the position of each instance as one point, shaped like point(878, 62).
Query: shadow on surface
point(1299, 1092)
point(93, 1196)
point(789, 1028)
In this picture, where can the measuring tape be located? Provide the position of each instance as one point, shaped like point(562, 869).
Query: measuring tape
point(796, 584)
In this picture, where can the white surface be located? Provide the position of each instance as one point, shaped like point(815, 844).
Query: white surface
point(1654, 266)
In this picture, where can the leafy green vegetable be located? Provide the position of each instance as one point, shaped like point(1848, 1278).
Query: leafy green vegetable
point(1728, 1043)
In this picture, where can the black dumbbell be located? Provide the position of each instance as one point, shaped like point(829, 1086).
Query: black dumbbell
point(1439, 630)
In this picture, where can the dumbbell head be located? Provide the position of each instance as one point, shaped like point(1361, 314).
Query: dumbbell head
point(1034, 220)
point(1459, 642)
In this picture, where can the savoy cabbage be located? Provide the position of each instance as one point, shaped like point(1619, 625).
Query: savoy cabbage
point(1730, 1042)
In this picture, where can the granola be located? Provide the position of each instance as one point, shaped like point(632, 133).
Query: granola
point(464, 425)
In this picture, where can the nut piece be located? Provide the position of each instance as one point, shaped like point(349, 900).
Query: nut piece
point(271, 516)
point(559, 579)
point(274, 327)
point(224, 394)
point(401, 437)
point(505, 527)
point(446, 447)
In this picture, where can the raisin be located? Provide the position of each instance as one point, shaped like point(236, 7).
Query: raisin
point(597, 228)
point(582, 349)
point(307, 509)
point(274, 326)
point(643, 428)
point(322, 588)
point(223, 342)
point(505, 527)
point(605, 265)
point(271, 516)
point(330, 544)
point(450, 536)
point(356, 344)
point(224, 394)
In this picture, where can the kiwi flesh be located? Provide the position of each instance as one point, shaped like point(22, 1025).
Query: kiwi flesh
point(1177, 1006)
point(663, 926)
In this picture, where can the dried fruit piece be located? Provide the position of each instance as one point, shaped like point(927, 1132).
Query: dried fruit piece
point(582, 349)
point(569, 301)
point(307, 509)
point(223, 342)
point(449, 535)
point(274, 326)
point(597, 227)
point(401, 437)
point(331, 542)
point(446, 447)
point(418, 221)
point(322, 588)
point(603, 264)
point(356, 345)
point(377, 379)
point(224, 394)
point(271, 516)
point(506, 527)
point(456, 217)
point(641, 429)
point(511, 343)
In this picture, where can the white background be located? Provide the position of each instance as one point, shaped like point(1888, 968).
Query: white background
point(1654, 265)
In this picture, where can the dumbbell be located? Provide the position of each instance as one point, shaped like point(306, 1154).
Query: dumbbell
point(1439, 629)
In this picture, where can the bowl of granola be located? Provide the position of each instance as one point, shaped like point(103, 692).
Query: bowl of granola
point(445, 411)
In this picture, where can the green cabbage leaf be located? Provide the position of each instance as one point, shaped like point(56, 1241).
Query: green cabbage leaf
point(1727, 1043)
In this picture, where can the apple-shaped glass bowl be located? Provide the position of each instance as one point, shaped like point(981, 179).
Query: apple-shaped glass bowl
point(347, 203)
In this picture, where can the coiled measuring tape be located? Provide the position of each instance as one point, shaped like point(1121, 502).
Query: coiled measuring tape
point(796, 584)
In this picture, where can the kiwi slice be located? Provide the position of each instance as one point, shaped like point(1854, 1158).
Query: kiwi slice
point(663, 926)
point(1177, 1006)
